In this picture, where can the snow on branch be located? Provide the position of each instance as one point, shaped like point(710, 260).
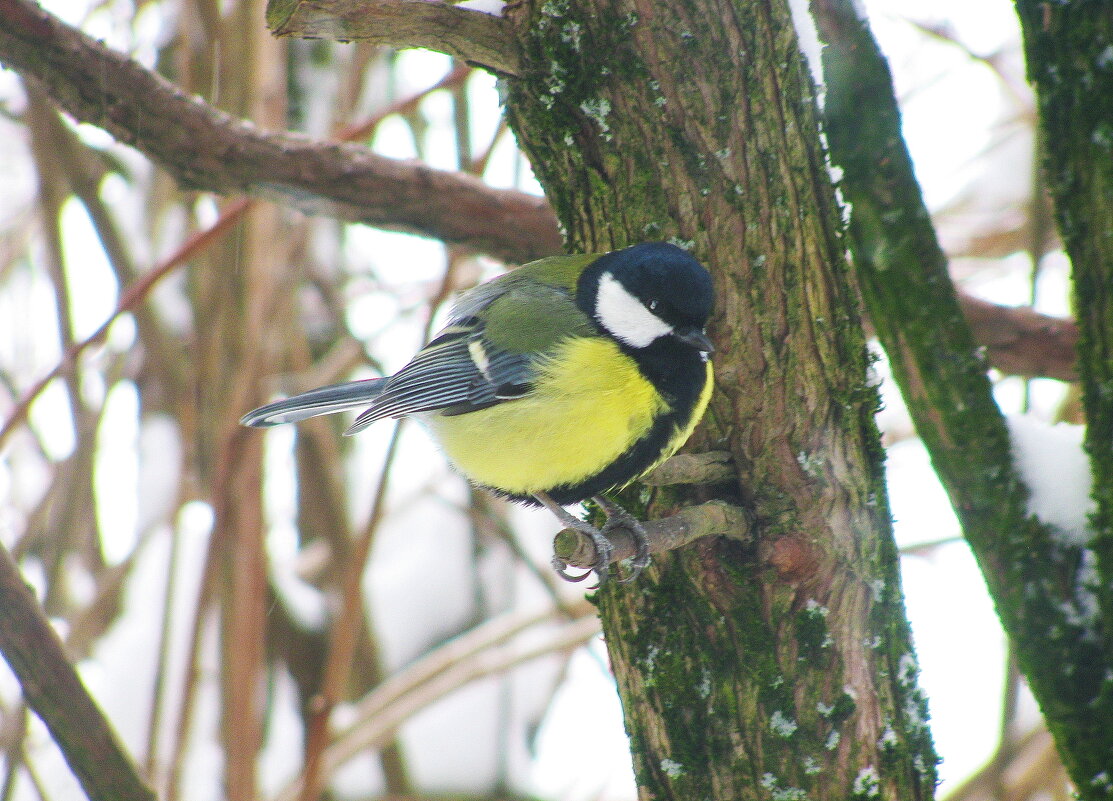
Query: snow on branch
point(1054, 466)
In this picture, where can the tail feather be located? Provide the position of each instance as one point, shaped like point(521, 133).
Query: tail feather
point(325, 400)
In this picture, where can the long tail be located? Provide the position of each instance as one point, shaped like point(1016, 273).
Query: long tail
point(325, 400)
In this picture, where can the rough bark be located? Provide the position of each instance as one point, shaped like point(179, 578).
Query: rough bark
point(782, 670)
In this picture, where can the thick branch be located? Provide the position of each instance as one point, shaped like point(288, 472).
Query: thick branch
point(206, 148)
point(706, 467)
point(692, 119)
point(1069, 58)
point(54, 690)
point(472, 36)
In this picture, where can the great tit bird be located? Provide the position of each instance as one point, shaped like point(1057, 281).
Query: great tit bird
point(567, 377)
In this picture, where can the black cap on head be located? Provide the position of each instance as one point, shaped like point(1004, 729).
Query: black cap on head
point(666, 278)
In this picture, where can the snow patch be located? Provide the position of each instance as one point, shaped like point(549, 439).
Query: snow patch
point(1056, 470)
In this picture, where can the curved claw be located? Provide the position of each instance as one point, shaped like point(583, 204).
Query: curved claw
point(603, 551)
point(561, 568)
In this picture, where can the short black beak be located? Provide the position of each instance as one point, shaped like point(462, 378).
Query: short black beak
point(696, 338)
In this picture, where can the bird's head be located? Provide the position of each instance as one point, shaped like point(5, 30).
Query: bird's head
point(649, 291)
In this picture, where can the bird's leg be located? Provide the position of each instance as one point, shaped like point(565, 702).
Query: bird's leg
point(617, 517)
point(603, 547)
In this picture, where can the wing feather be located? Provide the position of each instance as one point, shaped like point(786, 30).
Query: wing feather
point(323, 400)
point(489, 353)
point(459, 371)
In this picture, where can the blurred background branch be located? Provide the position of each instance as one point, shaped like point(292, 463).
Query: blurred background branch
point(205, 147)
point(52, 688)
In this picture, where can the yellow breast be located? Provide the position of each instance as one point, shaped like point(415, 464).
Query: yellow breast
point(589, 405)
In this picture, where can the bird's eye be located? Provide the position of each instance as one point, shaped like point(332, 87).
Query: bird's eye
point(653, 305)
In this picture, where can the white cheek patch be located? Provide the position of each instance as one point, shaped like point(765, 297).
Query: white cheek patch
point(624, 316)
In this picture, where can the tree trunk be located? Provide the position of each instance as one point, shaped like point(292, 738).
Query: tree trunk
point(784, 670)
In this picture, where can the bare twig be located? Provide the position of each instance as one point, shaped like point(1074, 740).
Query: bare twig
point(714, 518)
point(192, 675)
point(1021, 341)
point(129, 299)
point(359, 130)
point(486, 650)
point(471, 36)
point(345, 630)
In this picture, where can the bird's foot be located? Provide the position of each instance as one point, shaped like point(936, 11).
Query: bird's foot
point(603, 547)
point(601, 567)
point(617, 518)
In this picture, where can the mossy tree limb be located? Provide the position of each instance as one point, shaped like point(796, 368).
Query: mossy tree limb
point(781, 669)
point(1035, 578)
point(1069, 52)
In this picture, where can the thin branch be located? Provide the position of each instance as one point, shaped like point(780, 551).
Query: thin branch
point(193, 673)
point(129, 299)
point(711, 519)
point(158, 704)
point(54, 690)
point(361, 130)
point(1021, 341)
point(471, 36)
point(488, 649)
point(345, 630)
point(206, 148)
